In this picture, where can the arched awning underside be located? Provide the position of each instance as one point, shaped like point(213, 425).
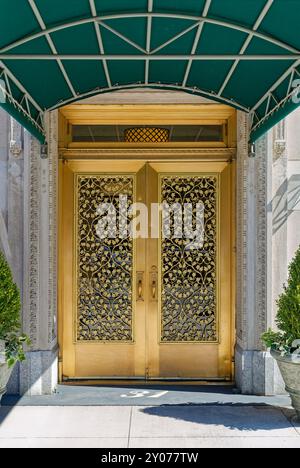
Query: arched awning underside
point(244, 53)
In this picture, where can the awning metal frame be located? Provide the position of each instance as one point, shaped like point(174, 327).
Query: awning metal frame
point(151, 15)
point(246, 45)
point(100, 42)
point(51, 45)
point(7, 77)
point(196, 42)
point(148, 40)
point(150, 57)
point(147, 55)
point(162, 86)
point(292, 90)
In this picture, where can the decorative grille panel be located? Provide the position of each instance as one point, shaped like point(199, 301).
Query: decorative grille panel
point(105, 266)
point(147, 135)
point(189, 276)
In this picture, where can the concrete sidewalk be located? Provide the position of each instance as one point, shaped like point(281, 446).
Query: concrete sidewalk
point(174, 426)
point(146, 395)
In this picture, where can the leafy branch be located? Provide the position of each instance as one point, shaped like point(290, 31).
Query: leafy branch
point(287, 339)
point(10, 326)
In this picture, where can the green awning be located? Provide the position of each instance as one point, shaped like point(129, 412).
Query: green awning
point(245, 53)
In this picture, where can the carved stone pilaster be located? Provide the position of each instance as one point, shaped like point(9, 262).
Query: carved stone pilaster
point(53, 220)
point(263, 182)
point(241, 241)
point(31, 241)
point(255, 369)
point(39, 373)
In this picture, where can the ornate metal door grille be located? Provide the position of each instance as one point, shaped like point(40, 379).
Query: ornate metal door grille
point(105, 266)
point(189, 276)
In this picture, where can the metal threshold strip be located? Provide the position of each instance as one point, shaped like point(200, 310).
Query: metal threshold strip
point(143, 381)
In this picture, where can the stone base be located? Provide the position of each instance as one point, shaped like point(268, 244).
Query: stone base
point(257, 373)
point(38, 375)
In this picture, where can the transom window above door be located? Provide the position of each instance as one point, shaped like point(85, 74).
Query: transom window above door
point(174, 133)
point(173, 125)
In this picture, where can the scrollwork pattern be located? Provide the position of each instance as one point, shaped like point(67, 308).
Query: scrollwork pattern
point(104, 265)
point(189, 276)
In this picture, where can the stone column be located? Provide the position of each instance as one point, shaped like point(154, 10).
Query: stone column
point(14, 219)
point(255, 369)
point(40, 372)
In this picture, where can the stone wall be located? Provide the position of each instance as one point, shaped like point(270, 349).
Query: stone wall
point(12, 203)
point(28, 238)
point(268, 235)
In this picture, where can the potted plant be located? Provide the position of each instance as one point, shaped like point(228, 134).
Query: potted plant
point(285, 343)
point(12, 341)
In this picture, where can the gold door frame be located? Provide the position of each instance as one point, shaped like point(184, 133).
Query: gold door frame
point(90, 166)
point(88, 157)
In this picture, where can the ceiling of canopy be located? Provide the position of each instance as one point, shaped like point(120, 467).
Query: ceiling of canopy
point(242, 53)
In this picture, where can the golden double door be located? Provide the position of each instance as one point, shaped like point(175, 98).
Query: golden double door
point(150, 306)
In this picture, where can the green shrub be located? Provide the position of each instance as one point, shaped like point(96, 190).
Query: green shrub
point(286, 340)
point(10, 306)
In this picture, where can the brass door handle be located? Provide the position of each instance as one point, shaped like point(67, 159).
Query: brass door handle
point(140, 286)
point(140, 289)
point(153, 283)
point(154, 289)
